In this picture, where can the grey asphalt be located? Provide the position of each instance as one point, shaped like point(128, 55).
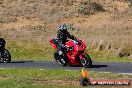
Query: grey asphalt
point(116, 67)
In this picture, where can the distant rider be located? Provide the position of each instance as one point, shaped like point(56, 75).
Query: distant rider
point(2, 46)
point(61, 38)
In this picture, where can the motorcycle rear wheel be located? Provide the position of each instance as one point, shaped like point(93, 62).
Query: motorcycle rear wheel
point(60, 59)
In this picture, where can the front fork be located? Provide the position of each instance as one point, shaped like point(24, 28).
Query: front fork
point(81, 56)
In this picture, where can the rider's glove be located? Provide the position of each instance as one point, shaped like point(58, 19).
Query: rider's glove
point(64, 47)
point(77, 42)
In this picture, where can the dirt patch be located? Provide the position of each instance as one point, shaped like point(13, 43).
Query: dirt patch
point(3, 78)
point(58, 82)
point(21, 22)
point(66, 83)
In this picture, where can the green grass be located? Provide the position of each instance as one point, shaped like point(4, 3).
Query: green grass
point(25, 78)
point(12, 83)
point(41, 51)
point(102, 56)
point(56, 74)
point(30, 51)
point(41, 74)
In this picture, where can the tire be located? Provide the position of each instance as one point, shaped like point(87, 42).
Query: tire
point(6, 57)
point(87, 62)
point(60, 59)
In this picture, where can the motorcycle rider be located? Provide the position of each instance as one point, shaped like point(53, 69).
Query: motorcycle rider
point(61, 38)
point(2, 43)
point(2, 46)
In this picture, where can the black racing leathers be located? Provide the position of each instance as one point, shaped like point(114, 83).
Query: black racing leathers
point(61, 39)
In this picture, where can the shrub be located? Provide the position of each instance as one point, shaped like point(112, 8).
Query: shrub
point(89, 8)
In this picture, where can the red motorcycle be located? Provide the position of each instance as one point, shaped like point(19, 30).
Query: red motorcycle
point(73, 55)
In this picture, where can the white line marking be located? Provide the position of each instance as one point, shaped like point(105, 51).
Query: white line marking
point(126, 73)
point(3, 68)
point(118, 73)
point(41, 69)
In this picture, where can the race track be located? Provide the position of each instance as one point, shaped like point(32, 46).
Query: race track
point(116, 67)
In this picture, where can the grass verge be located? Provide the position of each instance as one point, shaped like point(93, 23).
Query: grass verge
point(30, 50)
point(103, 56)
point(41, 51)
point(47, 78)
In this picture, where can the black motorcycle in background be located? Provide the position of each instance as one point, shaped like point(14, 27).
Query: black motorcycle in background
point(4, 53)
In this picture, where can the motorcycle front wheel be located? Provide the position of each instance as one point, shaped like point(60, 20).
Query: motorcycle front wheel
point(86, 61)
point(5, 56)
